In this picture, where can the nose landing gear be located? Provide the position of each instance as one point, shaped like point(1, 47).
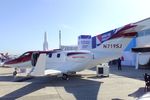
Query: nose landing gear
point(15, 72)
point(65, 77)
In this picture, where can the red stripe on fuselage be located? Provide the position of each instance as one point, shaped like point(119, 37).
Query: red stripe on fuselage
point(19, 60)
point(75, 53)
point(24, 57)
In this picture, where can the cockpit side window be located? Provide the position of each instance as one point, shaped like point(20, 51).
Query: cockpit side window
point(25, 54)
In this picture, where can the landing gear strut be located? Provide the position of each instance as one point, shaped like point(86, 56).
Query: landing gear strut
point(65, 77)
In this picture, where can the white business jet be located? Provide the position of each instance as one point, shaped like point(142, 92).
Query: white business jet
point(64, 62)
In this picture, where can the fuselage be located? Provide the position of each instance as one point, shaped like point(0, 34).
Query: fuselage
point(57, 60)
point(64, 61)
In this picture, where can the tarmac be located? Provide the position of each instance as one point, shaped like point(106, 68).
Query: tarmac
point(127, 84)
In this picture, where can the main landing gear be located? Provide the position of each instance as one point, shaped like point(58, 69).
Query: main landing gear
point(65, 77)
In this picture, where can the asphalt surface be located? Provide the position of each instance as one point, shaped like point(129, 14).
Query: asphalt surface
point(127, 84)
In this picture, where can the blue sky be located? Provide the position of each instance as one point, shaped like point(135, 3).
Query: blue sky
point(23, 22)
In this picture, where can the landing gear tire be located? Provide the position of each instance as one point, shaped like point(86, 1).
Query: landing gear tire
point(14, 73)
point(65, 77)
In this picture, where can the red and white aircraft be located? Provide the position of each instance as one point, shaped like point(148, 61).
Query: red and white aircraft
point(64, 62)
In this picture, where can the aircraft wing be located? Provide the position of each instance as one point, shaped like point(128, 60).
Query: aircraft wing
point(52, 72)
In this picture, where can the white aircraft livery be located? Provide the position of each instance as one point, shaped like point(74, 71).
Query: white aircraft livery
point(64, 62)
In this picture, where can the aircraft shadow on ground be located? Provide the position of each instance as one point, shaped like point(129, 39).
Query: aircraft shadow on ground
point(82, 89)
point(138, 93)
point(13, 79)
point(6, 78)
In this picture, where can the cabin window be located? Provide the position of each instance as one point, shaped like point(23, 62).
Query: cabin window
point(50, 55)
point(58, 55)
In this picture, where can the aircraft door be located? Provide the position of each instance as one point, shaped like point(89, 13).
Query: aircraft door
point(34, 58)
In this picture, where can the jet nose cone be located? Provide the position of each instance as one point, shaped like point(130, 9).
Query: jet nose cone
point(5, 64)
point(1, 63)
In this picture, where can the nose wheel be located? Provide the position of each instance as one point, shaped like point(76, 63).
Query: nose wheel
point(15, 72)
point(65, 77)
